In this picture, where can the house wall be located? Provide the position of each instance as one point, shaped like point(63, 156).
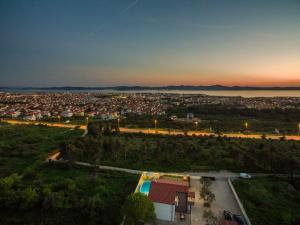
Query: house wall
point(164, 211)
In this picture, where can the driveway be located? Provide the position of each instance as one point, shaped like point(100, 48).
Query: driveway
point(224, 200)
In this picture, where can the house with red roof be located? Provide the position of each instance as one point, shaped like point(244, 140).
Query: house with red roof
point(170, 197)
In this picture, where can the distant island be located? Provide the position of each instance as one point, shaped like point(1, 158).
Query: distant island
point(165, 88)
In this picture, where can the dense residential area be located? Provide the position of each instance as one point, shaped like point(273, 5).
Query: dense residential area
point(44, 105)
point(276, 115)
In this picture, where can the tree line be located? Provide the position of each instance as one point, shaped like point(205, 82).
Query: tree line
point(182, 153)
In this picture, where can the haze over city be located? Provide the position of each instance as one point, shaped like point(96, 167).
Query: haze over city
point(142, 42)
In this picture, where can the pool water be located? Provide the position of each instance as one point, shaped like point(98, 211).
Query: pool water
point(145, 188)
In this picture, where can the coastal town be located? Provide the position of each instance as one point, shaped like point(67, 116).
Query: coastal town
point(108, 106)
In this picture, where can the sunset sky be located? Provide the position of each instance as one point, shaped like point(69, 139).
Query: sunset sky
point(149, 42)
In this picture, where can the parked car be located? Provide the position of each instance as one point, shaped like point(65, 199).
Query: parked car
point(245, 176)
point(239, 219)
point(227, 215)
point(228, 222)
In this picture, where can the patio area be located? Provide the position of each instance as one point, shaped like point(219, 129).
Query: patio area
point(186, 221)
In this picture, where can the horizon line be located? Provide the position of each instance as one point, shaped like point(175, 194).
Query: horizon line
point(146, 86)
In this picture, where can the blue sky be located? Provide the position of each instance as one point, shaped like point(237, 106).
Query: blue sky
point(149, 42)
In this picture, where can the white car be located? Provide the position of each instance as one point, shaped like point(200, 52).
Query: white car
point(245, 176)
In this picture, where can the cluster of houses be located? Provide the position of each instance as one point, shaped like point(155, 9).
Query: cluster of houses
point(38, 106)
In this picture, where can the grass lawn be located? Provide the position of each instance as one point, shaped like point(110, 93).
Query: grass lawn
point(22, 145)
point(270, 200)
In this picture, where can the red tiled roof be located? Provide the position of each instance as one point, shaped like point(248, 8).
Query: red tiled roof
point(164, 191)
point(175, 182)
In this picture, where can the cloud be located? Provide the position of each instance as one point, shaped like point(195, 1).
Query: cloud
point(131, 5)
point(100, 27)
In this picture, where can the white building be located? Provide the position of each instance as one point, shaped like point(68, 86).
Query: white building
point(169, 197)
point(31, 117)
point(15, 114)
point(67, 114)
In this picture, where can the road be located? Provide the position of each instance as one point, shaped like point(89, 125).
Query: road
point(63, 125)
point(200, 133)
point(160, 131)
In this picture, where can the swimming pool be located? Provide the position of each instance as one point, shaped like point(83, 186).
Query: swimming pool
point(145, 188)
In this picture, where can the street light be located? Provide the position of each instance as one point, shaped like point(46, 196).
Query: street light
point(118, 120)
point(196, 123)
point(246, 127)
point(299, 129)
point(87, 120)
point(58, 118)
point(155, 124)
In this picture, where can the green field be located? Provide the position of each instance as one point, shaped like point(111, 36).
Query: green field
point(270, 200)
point(22, 146)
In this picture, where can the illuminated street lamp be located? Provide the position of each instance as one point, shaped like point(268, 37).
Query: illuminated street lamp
point(118, 120)
point(246, 127)
point(87, 120)
point(58, 118)
point(299, 129)
point(155, 124)
point(196, 124)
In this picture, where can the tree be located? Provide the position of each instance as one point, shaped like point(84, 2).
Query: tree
point(210, 218)
point(95, 128)
point(30, 197)
point(210, 197)
point(138, 209)
point(205, 193)
point(8, 194)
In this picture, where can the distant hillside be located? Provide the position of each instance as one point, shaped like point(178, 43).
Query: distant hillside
point(139, 88)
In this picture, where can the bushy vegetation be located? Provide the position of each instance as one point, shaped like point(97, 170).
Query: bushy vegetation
point(22, 145)
point(182, 153)
point(271, 200)
point(60, 194)
point(34, 192)
point(205, 191)
point(138, 209)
